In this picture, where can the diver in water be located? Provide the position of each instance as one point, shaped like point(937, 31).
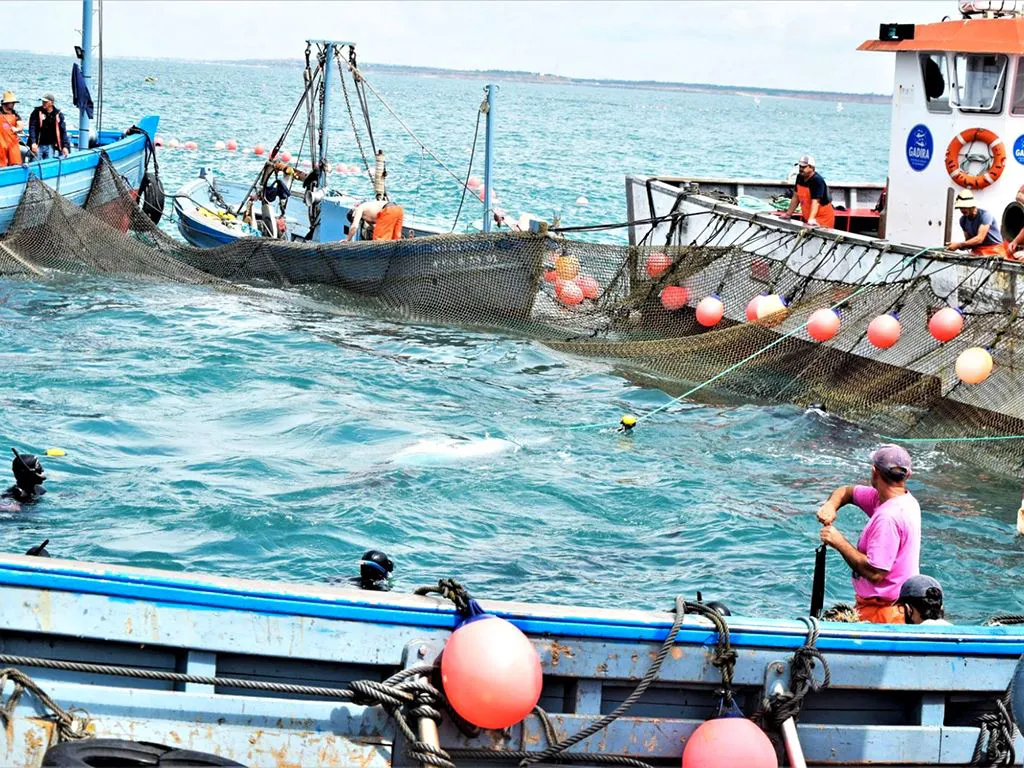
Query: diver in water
point(374, 572)
point(39, 550)
point(28, 479)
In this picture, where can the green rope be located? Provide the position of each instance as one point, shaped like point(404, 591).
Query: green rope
point(951, 439)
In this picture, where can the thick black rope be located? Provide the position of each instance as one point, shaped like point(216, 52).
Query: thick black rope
point(624, 224)
point(469, 171)
point(779, 707)
point(995, 736)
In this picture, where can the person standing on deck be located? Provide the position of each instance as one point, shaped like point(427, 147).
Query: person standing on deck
point(812, 196)
point(980, 229)
point(889, 549)
point(10, 126)
point(386, 217)
point(47, 134)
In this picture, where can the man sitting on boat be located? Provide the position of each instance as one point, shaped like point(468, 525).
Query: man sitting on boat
point(385, 216)
point(10, 127)
point(47, 134)
point(889, 549)
point(980, 229)
point(921, 601)
point(813, 197)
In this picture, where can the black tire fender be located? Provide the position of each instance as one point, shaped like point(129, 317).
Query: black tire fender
point(151, 197)
point(89, 753)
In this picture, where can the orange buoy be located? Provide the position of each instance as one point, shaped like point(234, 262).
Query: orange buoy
point(974, 365)
point(658, 264)
point(751, 311)
point(770, 305)
point(567, 267)
point(570, 294)
point(589, 286)
point(258, 149)
point(946, 324)
point(884, 330)
point(550, 275)
point(491, 673)
point(231, 144)
point(823, 324)
point(710, 311)
point(729, 742)
point(674, 297)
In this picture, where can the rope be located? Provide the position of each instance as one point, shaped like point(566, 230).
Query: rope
point(1005, 619)
point(69, 726)
point(779, 707)
point(469, 171)
point(995, 736)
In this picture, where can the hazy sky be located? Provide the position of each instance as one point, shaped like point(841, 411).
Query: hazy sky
point(808, 45)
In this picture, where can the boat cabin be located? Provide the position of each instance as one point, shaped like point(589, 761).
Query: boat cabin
point(957, 120)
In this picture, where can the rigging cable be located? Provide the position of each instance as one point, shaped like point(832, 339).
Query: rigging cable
point(469, 171)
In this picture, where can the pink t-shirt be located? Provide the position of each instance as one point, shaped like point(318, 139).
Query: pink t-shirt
point(891, 540)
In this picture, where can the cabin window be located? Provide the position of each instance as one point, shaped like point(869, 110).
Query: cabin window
point(1017, 103)
point(936, 84)
point(978, 81)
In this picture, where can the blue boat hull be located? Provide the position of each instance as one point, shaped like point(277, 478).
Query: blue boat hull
point(72, 176)
point(899, 695)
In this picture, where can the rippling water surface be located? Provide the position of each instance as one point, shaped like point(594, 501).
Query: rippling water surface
point(256, 438)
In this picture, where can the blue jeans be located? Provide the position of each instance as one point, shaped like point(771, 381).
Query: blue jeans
point(45, 153)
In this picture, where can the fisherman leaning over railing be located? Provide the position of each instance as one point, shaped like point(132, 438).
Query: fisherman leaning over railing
point(889, 549)
point(980, 228)
point(813, 197)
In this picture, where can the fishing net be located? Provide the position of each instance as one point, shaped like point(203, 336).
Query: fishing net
point(610, 301)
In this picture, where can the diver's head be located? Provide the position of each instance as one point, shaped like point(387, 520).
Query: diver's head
point(39, 550)
point(375, 571)
point(28, 472)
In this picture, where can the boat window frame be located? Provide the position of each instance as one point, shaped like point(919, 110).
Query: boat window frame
point(1016, 109)
point(999, 93)
point(939, 105)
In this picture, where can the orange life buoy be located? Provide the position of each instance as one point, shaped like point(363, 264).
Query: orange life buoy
point(997, 156)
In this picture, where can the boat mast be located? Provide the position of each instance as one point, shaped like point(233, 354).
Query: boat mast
point(488, 155)
point(325, 110)
point(83, 116)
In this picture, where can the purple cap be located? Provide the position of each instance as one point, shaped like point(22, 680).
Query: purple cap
point(891, 456)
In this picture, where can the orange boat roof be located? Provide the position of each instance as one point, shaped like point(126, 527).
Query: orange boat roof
point(960, 36)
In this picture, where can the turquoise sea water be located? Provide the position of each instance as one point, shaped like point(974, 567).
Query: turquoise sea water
point(255, 438)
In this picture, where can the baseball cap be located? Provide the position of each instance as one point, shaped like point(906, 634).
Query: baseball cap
point(890, 457)
point(918, 586)
point(807, 160)
point(49, 97)
point(965, 199)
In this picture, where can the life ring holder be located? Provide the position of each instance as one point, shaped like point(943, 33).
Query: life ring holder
point(997, 158)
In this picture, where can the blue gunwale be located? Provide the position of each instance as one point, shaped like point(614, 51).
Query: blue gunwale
point(212, 593)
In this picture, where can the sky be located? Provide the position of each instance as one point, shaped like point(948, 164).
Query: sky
point(806, 45)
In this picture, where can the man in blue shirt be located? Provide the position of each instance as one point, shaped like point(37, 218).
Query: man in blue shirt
point(980, 229)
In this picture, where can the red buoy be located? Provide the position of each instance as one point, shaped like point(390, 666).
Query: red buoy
point(231, 144)
point(884, 331)
point(491, 673)
point(710, 311)
point(658, 264)
point(729, 742)
point(823, 324)
point(589, 286)
point(258, 149)
point(285, 157)
point(550, 275)
point(752, 305)
point(946, 324)
point(674, 297)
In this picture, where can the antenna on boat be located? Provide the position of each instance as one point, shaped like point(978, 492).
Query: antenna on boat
point(83, 115)
point(488, 155)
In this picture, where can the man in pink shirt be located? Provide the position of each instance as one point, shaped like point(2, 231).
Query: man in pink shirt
point(889, 549)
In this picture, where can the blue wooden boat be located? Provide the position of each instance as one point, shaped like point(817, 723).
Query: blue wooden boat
point(72, 176)
point(211, 664)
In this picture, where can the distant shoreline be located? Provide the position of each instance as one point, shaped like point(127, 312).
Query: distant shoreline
point(539, 77)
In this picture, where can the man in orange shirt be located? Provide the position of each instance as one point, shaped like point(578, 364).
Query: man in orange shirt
point(385, 216)
point(812, 196)
point(10, 125)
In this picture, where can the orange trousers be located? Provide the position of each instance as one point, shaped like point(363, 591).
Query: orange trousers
point(389, 223)
point(878, 611)
point(10, 153)
point(999, 250)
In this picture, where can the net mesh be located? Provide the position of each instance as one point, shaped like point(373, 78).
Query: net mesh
point(526, 285)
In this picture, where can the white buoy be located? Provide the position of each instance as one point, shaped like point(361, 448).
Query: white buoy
point(581, 200)
point(219, 145)
point(172, 143)
point(246, 151)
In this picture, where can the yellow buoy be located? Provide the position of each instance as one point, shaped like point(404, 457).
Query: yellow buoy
point(56, 452)
point(627, 423)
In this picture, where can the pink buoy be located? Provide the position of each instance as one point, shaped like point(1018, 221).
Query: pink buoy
point(258, 149)
point(658, 264)
point(191, 145)
point(674, 297)
point(710, 311)
point(474, 182)
point(219, 145)
point(306, 164)
point(158, 141)
point(285, 157)
point(772, 304)
point(752, 305)
point(491, 673)
point(571, 293)
point(884, 331)
point(946, 324)
point(974, 365)
point(729, 742)
point(823, 324)
point(231, 144)
point(589, 286)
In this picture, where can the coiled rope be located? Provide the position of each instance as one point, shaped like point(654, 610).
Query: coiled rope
point(782, 706)
point(71, 724)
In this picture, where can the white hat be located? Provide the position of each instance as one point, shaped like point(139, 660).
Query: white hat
point(965, 199)
point(807, 160)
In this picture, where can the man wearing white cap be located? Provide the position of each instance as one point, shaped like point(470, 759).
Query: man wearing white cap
point(47, 134)
point(813, 197)
point(888, 551)
point(980, 229)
